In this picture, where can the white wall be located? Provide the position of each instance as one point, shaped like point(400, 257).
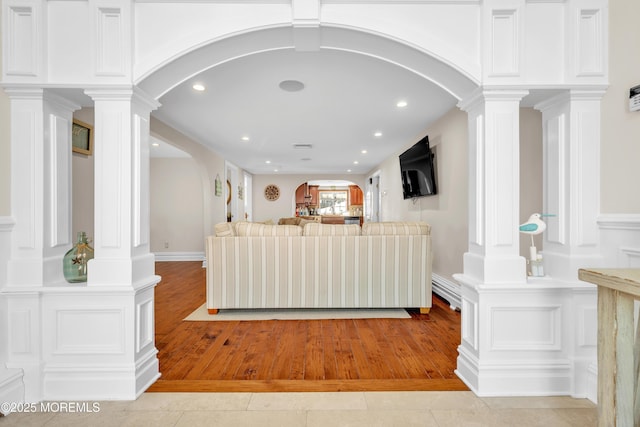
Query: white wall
point(5, 155)
point(176, 206)
point(5, 148)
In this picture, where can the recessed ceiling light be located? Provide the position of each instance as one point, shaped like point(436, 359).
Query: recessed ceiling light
point(348, 170)
point(275, 170)
point(245, 138)
point(199, 87)
point(377, 134)
point(291, 85)
point(355, 162)
point(155, 144)
point(364, 151)
point(268, 161)
point(401, 104)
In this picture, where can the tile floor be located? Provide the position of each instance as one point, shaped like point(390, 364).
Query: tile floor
point(370, 409)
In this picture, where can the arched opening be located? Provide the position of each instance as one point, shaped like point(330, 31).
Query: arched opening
point(430, 70)
point(330, 201)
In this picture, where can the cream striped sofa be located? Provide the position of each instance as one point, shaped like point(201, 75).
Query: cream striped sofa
point(252, 265)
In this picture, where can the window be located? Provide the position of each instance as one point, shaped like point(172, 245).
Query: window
point(333, 202)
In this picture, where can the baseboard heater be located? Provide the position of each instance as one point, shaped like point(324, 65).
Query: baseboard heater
point(447, 290)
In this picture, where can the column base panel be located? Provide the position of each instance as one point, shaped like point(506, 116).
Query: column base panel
point(516, 378)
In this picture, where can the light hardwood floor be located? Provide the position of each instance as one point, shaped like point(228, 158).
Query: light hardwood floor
point(297, 355)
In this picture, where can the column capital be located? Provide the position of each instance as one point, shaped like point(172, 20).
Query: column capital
point(575, 94)
point(484, 94)
point(23, 92)
point(123, 93)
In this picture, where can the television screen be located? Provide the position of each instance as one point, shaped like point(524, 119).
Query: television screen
point(417, 169)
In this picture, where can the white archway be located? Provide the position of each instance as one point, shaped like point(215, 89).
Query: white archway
point(193, 61)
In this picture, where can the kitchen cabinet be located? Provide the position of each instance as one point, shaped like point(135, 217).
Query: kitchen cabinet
point(301, 192)
point(307, 195)
point(313, 192)
point(356, 197)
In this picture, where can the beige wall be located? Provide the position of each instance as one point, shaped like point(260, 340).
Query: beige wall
point(83, 184)
point(285, 206)
point(620, 147)
point(208, 165)
point(446, 211)
point(176, 206)
point(530, 173)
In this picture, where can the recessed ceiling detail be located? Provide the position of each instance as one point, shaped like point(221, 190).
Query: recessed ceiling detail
point(291, 85)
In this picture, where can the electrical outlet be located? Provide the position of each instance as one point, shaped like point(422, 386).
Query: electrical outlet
point(166, 244)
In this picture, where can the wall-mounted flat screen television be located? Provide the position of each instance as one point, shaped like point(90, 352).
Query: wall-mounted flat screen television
point(417, 167)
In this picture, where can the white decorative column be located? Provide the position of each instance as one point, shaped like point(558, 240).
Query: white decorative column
point(121, 188)
point(11, 384)
point(571, 138)
point(531, 335)
point(40, 186)
point(41, 206)
point(102, 343)
point(494, 193)
point(571, 141)
point(505, 323)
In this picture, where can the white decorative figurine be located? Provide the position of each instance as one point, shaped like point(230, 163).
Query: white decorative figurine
point(533, 226)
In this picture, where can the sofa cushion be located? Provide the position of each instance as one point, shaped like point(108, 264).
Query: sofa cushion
point(249, 229)
point(319, 229)
point(225, 229)
point(304, 222)
point(395, 228)
point(289, 221)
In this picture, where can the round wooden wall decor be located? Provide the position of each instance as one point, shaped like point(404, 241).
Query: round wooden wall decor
point(271, 192)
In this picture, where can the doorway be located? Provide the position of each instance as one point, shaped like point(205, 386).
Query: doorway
point(372, 199)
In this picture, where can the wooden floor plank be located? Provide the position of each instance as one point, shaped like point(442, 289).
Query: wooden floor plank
point(285, 347)
point(234, 352)
point(328, 345)
point(298, 355)
point(377, 362)
point(264, 371)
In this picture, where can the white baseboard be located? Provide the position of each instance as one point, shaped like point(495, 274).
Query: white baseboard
point(179, 256)
point(101, 382)
point(448, 290)
point(11, 387)
point(515, 377)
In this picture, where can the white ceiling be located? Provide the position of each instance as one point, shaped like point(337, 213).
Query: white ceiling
point(347, 97)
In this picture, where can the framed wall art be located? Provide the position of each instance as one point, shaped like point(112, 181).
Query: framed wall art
point(82, 138)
